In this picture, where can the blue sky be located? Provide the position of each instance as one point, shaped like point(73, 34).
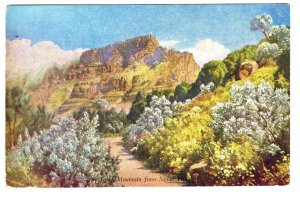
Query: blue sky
point(72, 27)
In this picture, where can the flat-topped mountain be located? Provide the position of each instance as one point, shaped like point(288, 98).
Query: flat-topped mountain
point(118, 71)
point(130, 54)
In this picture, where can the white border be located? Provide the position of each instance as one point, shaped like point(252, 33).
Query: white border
point(291, 190)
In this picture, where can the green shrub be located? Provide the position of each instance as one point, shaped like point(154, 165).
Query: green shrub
point(181, 91)
point(137, 108)
point(20, 115)
point(110, 121)
point(282, 76)
point(24, 177)
point(235, 58)
point(214, 71)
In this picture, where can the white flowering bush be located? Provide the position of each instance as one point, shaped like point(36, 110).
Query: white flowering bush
point(277, 37)
point(114, 127)
point(267, 50)
point(179, 107)
point(279, 42)
point(102, 103)
point(70, 154)
point(151, 119)
point(251, 137)
point(258, 113)
point(261, 23)
point(281, 36)
point(207, 88)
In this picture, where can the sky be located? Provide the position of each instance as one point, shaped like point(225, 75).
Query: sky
point(191, 28)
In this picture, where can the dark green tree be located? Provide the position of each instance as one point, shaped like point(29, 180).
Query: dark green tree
point(41, 119)
point(17, 101)
point(109, 121)
point(282, 75)
point(181, 91)
point(137, 107)
point(214, 71)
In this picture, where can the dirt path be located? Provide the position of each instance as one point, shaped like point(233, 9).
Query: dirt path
point(133, 173)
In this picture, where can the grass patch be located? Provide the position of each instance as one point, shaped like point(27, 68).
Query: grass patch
point(59, 96)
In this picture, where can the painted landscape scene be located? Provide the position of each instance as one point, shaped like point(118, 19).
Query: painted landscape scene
point(147, 95)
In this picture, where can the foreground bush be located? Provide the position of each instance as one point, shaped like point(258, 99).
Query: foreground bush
point(69, 154)
point(234, 164)
point(252, 138)
point(260, 114)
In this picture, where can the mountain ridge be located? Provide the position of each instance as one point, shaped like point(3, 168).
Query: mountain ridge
point(118, 71)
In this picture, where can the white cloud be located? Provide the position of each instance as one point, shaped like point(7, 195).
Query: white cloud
point(20, 55)
point(168, 43)
point(207, 50)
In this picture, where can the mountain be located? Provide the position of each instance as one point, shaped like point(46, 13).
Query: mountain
point(118, 71)
point(130, 54)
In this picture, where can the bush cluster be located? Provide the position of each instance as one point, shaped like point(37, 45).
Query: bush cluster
point(252, 135)
point(69, 154)
point(236, 135)
point(150, 120)
point(110, 121)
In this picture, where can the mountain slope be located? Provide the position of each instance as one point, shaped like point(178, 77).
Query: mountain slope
point(118, 71)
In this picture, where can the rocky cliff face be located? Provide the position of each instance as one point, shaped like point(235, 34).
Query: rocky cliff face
point(131, 53)
point(125, 53)
point(95, 89)
point(247, 68)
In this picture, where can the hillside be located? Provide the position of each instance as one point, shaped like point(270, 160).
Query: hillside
point(116, 72)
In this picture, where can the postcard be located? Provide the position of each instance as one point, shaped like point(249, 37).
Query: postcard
point(177, 95)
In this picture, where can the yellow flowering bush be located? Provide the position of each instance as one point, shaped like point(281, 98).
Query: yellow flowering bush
point(234, 164)
point(179, 143)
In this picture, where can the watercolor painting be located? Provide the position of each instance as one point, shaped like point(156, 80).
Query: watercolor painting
point(147, 95)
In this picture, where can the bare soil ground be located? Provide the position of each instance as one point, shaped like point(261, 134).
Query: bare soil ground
point(132, 171)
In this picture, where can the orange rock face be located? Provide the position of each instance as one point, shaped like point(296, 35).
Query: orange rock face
point(247, 68)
